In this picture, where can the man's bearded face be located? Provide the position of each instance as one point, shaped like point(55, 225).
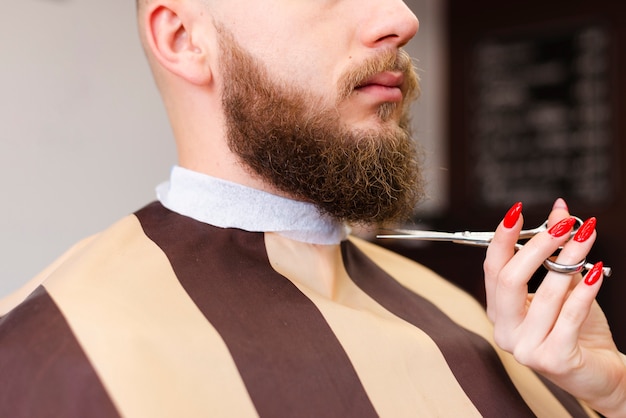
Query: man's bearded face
point(288, 138)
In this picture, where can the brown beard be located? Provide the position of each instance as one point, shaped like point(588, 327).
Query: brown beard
point(284, 136)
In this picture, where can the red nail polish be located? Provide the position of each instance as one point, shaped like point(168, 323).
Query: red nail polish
point(562, 227)
point(585, 230)
point(511, 217)
point(594, 274)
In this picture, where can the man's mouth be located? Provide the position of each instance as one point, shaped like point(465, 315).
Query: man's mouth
point(386, 85)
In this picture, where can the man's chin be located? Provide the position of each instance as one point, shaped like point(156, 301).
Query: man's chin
point(373, 123)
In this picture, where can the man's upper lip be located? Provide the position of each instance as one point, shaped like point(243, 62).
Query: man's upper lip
point(386, 79)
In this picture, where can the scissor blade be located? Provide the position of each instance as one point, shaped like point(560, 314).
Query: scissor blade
point(421, 235)
point(468, 238)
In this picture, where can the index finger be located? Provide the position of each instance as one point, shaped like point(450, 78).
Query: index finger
point(500, 251)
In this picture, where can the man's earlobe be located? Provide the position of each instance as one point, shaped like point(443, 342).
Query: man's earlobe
point(169, 39)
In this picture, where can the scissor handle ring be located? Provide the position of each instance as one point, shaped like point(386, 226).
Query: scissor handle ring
point(564, 268)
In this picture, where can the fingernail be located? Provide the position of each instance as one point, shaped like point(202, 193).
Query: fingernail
point(562, 227)
point(585, 230)
point(560, 204)
point(511, 217)
point(594, 274)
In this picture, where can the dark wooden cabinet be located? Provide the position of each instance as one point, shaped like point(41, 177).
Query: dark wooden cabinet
point(537, 97)
point(544, 82)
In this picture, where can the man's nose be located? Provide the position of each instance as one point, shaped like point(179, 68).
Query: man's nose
point(389, 22)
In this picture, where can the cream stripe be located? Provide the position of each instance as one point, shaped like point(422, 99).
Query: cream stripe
point(18, 296)
point(401, 368)
point(154, 350)
point(470, 314)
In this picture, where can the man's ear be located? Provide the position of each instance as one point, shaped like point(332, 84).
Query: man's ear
point(169, 37)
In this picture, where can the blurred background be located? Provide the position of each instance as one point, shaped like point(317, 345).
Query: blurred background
point(521, 101)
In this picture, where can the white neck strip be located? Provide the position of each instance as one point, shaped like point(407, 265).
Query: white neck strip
point(231, 205)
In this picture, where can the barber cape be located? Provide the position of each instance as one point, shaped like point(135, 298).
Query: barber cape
point(222, 301)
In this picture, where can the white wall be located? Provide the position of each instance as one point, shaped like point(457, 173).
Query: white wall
point(83, 135)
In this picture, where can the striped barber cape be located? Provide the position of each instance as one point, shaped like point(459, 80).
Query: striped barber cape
point(165, 316)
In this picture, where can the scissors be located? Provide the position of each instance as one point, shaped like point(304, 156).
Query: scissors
point(482, 239)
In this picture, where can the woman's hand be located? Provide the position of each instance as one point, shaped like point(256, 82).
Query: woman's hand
point(559, 331)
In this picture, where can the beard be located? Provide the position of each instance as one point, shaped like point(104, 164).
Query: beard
point(286, 137)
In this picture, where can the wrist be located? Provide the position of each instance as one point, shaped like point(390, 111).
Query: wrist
point(615, 405)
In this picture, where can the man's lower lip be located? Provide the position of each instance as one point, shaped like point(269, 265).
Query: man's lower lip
point(384, 93)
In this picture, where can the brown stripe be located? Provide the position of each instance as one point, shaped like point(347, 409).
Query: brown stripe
point(148, 342)
point(573, 407)
point(289, 359)
point(471, 358)
point(43, 370)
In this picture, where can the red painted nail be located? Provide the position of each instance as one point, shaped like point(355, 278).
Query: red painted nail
point(594, 274)
point(562, 227)
point(511, 217)
point(585, 230)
